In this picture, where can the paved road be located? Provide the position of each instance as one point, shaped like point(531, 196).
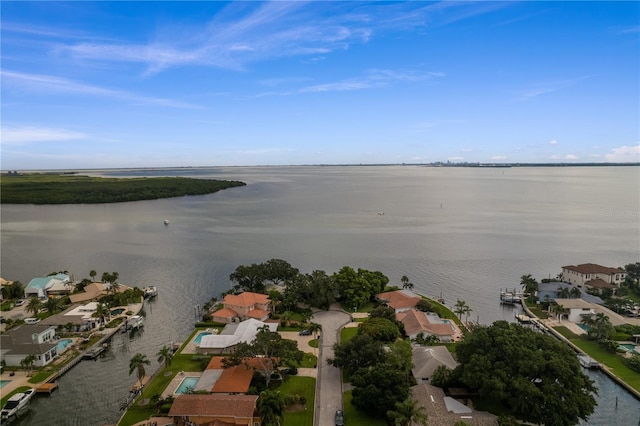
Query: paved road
point(329, 383)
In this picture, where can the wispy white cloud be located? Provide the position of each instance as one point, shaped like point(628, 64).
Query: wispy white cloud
point(456, 158)
point(19, 135)
point(553, 142)
point(498, 158)
point(628, 30)
point(544, 88)
point(467, 150)
point(48, 83)
point(571, 157)
point(372, 79)
point(624, 154)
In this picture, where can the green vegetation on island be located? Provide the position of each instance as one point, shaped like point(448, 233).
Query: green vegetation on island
point(54, 188)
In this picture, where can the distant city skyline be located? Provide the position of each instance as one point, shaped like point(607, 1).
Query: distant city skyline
point(191, 84)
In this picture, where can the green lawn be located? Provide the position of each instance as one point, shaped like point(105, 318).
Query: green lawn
point(304, 386)
point(347, 333)
point(353, 417)
point(309, 361)
point(613, 361)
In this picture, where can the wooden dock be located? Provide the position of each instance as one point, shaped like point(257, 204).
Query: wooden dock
point(47, 387)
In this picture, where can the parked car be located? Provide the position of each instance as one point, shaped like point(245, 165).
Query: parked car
point(339, 418)
point(305, 332)
point(19, 302)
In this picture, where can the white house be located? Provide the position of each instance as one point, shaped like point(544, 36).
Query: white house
point(24, 340)
point(81, 317)
point(41, 286)
point(580, 275)
point(231, 335)
point(576, 308)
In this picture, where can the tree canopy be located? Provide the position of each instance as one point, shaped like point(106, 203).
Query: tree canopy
point(361, 351)
point(533, 375)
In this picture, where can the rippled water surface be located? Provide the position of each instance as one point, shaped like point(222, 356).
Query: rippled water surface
point(461, 232)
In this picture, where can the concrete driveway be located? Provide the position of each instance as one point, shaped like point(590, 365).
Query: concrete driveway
point(329, 383)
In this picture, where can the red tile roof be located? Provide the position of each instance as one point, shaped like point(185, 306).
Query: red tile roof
point(592, 268)
point(399, 299)
point(599, 283)
point(245, 299)
point(416, 321)
point(215, 405)
point(233, 379)
point(257, 313)
point(225, 313)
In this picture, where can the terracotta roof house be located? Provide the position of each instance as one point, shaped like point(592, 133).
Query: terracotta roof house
point(219, 410)
point(93, 291)
point(241, 306)
point(428, 324)
point(400, 300)
point(231, 335)
point(580, 274)
point(598, 284)
point(24, 340)
point(232, 380)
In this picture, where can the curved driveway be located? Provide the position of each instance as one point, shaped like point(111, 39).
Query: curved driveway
point(329, 382)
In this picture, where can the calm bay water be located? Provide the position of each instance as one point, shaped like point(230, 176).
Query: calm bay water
point(464, 233)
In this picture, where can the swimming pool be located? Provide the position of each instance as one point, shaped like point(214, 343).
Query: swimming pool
point(117, 311)
point(628, 347)
point(585, 327)
point(62, 345)
point(4, 382)
point(187, 384)
point(199, 336)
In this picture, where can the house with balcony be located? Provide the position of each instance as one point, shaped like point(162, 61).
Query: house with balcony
point(239, 307)
point(24, 340)
point(581, 275)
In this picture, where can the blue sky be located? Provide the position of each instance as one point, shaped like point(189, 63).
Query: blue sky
point(159, 84)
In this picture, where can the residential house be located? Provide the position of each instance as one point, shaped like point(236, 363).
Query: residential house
point(549, 292)
point(400, 300)
point(215, 409)
point(231, 335)
point(428, 324)
point(77, 318)
point(581, 274)
point(576, 309)
point(232, 380)
point(426, 359)
point(238, 307)
point(41, 287)
point(93, 291)
point(19, 342)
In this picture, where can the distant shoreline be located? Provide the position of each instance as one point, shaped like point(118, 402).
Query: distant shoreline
point(435, 164)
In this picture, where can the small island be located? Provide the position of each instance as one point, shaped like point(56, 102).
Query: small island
point(67, 188)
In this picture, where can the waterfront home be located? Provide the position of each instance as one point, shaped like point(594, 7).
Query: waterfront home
point(580, 275)
point(77, 318)
point(400, 300)
point(238, 307)
point(215, 409)
point(42, 287)
point(426, 359)
point(428, 324)
point(576, 309)
point(548, 292)
point(231, 335)
point(231, 380)
point(24, 340)
point(94, 291)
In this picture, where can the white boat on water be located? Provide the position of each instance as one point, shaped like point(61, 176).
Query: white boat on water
point(135, 321)
point(150, 292)
point(16, 403)
point(166, 222)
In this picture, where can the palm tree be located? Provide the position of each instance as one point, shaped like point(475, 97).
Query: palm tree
point(105, 277)
point(314, 327)
point(460, 308)
point(101, 312)
point(467, 311)
point(137, 364)
point(270, 407)
point(52, 304)
point(113, 281)
point(562, 293)
point(28, 362)
point(286, 318)
point(529, 284)
point(407, 412)
point(575, 293)
point(33, 306)
point(93, 274)
point(406, 284)
point(165, 355)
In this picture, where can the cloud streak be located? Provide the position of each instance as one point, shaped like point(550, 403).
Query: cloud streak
point(19, 135)
point(48, 83)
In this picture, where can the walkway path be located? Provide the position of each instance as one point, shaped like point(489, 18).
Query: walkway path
point(329, 383)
